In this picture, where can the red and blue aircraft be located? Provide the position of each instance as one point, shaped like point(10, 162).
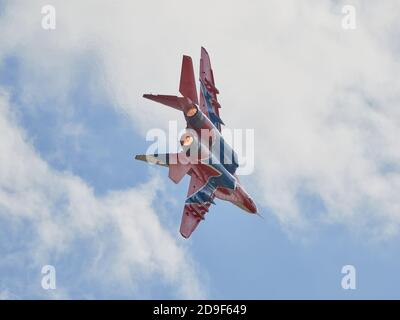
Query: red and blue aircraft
point(210, 162)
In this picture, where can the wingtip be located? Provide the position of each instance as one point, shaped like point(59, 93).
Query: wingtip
point(147, 96)
point(185, 235)
point(139, 157)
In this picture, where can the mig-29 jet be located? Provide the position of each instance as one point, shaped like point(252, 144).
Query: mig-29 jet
point(205, 157)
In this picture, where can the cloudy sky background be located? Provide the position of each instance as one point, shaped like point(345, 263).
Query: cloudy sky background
point(323, 102)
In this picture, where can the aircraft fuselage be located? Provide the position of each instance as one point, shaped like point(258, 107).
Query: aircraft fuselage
point(222, 159)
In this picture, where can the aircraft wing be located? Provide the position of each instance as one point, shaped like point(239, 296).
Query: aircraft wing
point(209, 104)
point(200, 198)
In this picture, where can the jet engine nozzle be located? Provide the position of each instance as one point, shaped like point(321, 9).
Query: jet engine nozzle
point(191, 111)
point(189, 140)
point(192, 146)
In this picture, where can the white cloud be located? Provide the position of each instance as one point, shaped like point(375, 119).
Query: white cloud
point(129, 246)
point(328, 97)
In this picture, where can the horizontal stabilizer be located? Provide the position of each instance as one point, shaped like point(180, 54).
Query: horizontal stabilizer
point(178, 171)
point(170, 101)
point(161, 160)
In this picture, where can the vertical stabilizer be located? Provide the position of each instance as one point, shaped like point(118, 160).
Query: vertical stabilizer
point(187, 86)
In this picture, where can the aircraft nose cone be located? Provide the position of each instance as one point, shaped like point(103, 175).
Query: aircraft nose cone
point(251, 206)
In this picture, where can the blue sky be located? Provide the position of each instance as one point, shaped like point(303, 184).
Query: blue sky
point(77, 200)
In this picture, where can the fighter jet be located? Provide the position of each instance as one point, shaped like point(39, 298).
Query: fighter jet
point(210, 162)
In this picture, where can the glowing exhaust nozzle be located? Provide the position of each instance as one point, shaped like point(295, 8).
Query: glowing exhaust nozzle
point(186, 140)
point(191, 112)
